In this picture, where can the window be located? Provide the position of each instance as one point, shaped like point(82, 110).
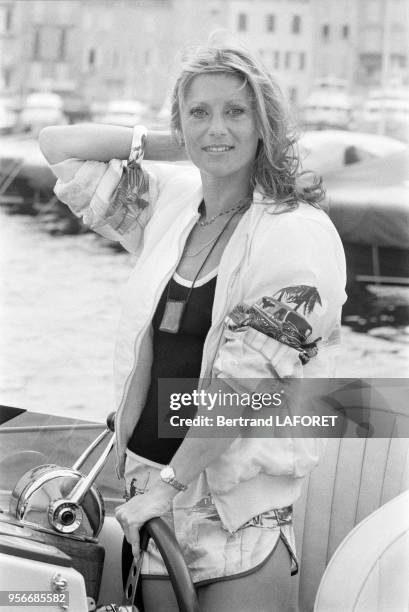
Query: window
point(296, 24)
point(398, 60)
point(287, 59)
point(325, 31)
point(301, 59)
point(270, 23)
point(63, 45)
point(370, 64)
point(36, 45)
point(345, 31)
point(8, 19)
point(281, 314)
point(293, 95)
point(276, 60)
point(242, 22)
point(49, 43)
point(91, 57)
point(7, 77)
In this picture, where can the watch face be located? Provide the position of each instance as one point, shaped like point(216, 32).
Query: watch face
point(167, 473)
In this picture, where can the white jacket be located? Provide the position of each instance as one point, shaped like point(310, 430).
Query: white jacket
point(266, 253)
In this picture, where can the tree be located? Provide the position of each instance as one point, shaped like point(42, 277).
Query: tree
point(301, 295)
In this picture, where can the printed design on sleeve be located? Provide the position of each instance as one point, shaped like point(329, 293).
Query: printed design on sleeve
point(139, 485)
point(130, 199)
point(206, 507)
point(278, 317)
point(300, 295)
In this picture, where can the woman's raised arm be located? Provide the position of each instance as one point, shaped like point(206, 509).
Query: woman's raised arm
point(104, 142)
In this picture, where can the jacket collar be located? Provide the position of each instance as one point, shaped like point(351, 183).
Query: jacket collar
point(268, 202)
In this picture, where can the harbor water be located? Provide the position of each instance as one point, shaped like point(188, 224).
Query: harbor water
point(59, 309)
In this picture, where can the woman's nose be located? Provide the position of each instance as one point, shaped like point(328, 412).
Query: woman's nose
point(217, 126)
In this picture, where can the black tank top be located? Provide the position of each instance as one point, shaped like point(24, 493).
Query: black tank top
point(174, 356)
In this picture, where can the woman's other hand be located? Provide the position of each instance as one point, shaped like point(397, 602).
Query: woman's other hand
point(141, 508)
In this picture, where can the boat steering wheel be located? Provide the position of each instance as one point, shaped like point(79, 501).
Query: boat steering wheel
point(172, 556)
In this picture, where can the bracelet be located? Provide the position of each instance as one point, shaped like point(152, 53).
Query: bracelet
point(138, 144)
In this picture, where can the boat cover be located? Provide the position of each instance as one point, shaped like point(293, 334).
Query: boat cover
point(369, 202)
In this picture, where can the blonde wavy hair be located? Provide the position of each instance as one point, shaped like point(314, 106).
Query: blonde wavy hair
point(277, 164)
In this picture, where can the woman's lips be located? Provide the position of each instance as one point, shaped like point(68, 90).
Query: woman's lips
point(217, 148)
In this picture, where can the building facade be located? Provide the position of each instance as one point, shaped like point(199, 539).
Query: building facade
point(334, 44)
point(109, 49)
point(383, 43)
point(365, 42)
point(281, 31)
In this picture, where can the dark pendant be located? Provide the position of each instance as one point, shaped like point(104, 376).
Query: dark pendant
point(172, 317)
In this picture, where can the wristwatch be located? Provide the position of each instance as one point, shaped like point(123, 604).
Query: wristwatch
point(167, 474)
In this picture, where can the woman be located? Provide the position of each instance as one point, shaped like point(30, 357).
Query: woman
point(216, 244)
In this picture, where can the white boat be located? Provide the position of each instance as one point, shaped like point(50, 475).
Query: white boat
point(59, 540)
point(124, 112)
point(387, 111)
point(41, 109)
point(329, 105)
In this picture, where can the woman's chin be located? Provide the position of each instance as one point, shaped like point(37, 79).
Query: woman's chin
point(221, 171)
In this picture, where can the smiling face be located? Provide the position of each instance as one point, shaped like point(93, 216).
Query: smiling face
point(219, 125)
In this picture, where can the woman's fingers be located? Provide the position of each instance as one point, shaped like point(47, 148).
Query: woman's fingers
point(140, 509)
point(126, 513)
point(130, 526)
point(136, 548)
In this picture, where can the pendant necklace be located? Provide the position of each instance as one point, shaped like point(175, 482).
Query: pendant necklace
point(175, 309)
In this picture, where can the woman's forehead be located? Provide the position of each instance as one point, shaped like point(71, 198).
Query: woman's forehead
point(218, 85)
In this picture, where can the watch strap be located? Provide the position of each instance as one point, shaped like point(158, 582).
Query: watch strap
point(171, 480)
point(177, 485)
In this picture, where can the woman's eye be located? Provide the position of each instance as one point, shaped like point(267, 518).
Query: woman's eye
point(198, 112)
point(236, 112)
